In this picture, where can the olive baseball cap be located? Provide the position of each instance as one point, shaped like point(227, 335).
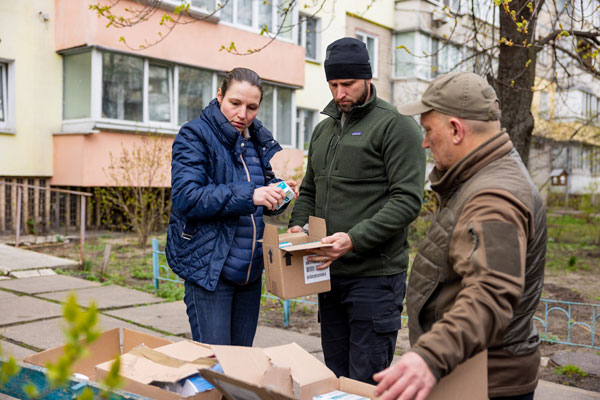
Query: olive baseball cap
point(460, 94)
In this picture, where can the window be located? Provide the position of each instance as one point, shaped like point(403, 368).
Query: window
point(426, 57)
point(373, 49)
point(275, 113)
point(159, 93)
point(564, 6)
point(122, 87)
point(404, 62)
point(306, 120)
point(559, 156)
point(195, 92)
point(544, 105)
point(576, 156)
point(575, 104)
point(308, 28)
point(258, 15)
point(77, 85)
point(118, 91)
point(590, 106)
point(106, 90)
point(3, 96)
point(7, 97)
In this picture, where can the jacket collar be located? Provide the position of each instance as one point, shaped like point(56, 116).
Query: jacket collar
point(357, 112)
point(489, 151)
point(229, 136)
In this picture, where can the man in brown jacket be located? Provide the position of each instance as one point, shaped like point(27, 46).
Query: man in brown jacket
point(477, 278)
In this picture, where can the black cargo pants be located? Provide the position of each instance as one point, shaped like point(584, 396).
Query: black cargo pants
point(360, 319)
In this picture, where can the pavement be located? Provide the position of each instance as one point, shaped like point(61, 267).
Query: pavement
point(30, 314)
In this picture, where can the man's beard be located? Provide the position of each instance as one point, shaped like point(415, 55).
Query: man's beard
point(359, 102)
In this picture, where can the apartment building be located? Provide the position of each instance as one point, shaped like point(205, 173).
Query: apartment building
point(74, 92)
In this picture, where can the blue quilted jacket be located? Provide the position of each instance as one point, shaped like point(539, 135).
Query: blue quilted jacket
point(209, 192)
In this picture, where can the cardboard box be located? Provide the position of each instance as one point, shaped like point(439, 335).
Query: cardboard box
point(253, 377)
point(287, 272)
point(142, 366)
point(110, 344)
point(281, 372)
point(468, 381)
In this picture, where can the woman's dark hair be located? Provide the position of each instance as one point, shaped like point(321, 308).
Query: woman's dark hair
point(242, 75)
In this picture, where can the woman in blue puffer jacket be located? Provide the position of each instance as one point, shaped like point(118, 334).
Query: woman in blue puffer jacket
point(222, 182)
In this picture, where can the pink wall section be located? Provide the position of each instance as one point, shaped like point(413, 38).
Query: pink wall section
point(195, 44)
point(82, 160)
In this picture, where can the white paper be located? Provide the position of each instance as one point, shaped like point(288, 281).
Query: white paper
point(312, 274)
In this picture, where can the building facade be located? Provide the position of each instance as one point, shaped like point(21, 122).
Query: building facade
point(76, 92)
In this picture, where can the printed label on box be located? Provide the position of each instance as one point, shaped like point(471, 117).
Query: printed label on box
point(312, 274)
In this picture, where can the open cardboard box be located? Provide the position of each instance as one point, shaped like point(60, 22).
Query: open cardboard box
point(280, 372)
point(287, 272)
point(253, 377)
point(173, 362)
point(109, 345)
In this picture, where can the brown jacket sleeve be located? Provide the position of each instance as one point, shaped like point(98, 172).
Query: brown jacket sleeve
point(487, 254)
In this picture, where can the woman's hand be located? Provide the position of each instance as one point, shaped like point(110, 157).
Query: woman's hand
point(268, 196)
point(294, 186)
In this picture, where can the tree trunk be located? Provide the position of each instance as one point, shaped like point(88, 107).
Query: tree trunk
point(516, 77)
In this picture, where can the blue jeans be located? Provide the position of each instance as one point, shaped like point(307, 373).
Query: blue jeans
point(227, 316)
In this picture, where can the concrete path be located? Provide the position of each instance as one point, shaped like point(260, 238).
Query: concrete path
point(30, 321)
point(15, 259)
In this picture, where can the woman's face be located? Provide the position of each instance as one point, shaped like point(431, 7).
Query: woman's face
point(240, 104)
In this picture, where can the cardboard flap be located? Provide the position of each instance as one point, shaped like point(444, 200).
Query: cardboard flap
point(132, 339)
point(279, 379)
point(142, 370)
point(306, 246)
point(270, 235)
point(248, 364)
point(305, 368)
point(293, 238)
point(235, 389)
point(186, 350)
point(317, 228)
point(169, 361)
point(453, 387)
point(105, 348)
point(356, 387)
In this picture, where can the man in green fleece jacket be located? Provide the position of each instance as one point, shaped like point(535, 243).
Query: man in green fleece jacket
point(365, 177)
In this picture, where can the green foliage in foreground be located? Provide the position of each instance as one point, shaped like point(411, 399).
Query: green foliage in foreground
point(81, 331)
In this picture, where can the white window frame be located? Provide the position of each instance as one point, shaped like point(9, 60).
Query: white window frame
point(301, 35)
point(255, 27)
point(272, 125)
point(96, 121)
point(7, 75)
point(448, 3)
point(375, 58)
point(300, 126)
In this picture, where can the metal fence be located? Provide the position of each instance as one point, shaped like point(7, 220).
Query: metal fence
point(552, 310)
point(162, 272)
point(580, 322)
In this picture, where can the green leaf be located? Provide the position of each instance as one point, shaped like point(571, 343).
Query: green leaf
point(113, 379)
point(9, 369)
point(86, 394)
point(31, 390)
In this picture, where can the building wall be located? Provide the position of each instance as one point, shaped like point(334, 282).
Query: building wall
point(27, 43)
point(196, 44)
point(383, 75)
point(340, 19)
